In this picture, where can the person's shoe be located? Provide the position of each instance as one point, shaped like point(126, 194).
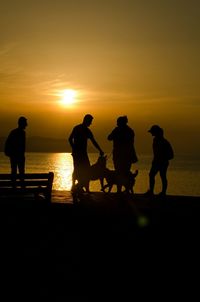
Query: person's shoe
point(162, 194)
point(77, 189)
point(80, 190)
point(149, 193)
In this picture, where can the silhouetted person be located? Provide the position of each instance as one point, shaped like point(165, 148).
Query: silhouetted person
point(162, 153)
point(123, 148)
point(78, 141)
point(15, 146)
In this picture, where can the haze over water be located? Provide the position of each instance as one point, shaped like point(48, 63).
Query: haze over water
point(183, 174)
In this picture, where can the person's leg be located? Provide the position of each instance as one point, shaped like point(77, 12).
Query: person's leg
point(163, 175)
point(119, 173)
point(74, 178)
point(118, 180)
point(128, 177)
point(13, 165)
point(21, 167)
point(83, 172)
point(86, 175)
point(119, 187)
point(154, 170)
point(75, 172)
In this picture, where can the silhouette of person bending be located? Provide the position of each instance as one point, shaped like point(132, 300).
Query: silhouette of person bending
point(15, 146)
point(123, 147)
point(162, 153)
point(78, 141)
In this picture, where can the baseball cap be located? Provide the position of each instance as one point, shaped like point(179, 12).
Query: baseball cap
point(155, 129)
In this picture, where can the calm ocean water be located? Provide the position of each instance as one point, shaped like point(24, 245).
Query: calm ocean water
point(183, 173)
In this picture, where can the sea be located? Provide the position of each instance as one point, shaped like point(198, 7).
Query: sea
point(183, 172)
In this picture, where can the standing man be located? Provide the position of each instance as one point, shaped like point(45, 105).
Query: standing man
point(15, 146)
point(78, 141)
point(162, 153)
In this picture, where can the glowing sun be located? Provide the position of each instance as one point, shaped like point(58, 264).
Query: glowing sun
point(68, 97)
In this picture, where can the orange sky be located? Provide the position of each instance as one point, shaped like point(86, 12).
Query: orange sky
point(139, 58)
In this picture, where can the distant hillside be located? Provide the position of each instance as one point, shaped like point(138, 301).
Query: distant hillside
point(46, 144)
point(42, 144)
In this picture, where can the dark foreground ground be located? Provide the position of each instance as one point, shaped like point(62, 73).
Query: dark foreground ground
point(101, 247)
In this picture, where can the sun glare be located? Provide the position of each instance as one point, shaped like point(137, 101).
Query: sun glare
point(68, 97)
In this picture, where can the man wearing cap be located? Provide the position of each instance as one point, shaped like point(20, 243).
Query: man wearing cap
point(162, 153)
point(78, 141)
point(15, 146)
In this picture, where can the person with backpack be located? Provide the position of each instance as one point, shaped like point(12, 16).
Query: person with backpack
point(162, 153)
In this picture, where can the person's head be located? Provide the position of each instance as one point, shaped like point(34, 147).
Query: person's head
point(87, 120)
point(156, 130)
point(22, 122)
point(122, 121)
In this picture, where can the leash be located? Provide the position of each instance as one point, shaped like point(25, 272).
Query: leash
point(109, 155)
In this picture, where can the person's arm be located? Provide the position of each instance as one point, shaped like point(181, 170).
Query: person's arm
point(111, 135)
point(71, 139)
point(96, 145)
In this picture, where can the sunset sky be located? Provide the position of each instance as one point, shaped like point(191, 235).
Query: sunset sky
point(139, 58)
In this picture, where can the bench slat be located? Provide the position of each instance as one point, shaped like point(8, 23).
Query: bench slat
point(27, 183)
point(27, 176)
point(33, 182)
point(22, 191)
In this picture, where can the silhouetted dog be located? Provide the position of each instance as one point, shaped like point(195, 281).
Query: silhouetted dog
point(113, 178)
point(97, 170)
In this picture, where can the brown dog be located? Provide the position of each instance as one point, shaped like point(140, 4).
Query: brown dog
point(97, 170)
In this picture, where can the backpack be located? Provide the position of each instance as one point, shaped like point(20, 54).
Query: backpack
point(8, 147)
point(169, 151)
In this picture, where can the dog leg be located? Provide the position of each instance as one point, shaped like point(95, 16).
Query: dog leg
point(110, 188)
point(119, 188)
point(105, 187)
point(101, 183)
point(87, 186)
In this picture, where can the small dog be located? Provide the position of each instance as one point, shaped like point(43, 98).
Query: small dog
point(113, 178)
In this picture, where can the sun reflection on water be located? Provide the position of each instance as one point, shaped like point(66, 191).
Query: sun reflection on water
point(63, 168)
point(183, 175)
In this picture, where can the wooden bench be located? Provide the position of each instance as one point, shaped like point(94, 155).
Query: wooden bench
point(39, 184)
